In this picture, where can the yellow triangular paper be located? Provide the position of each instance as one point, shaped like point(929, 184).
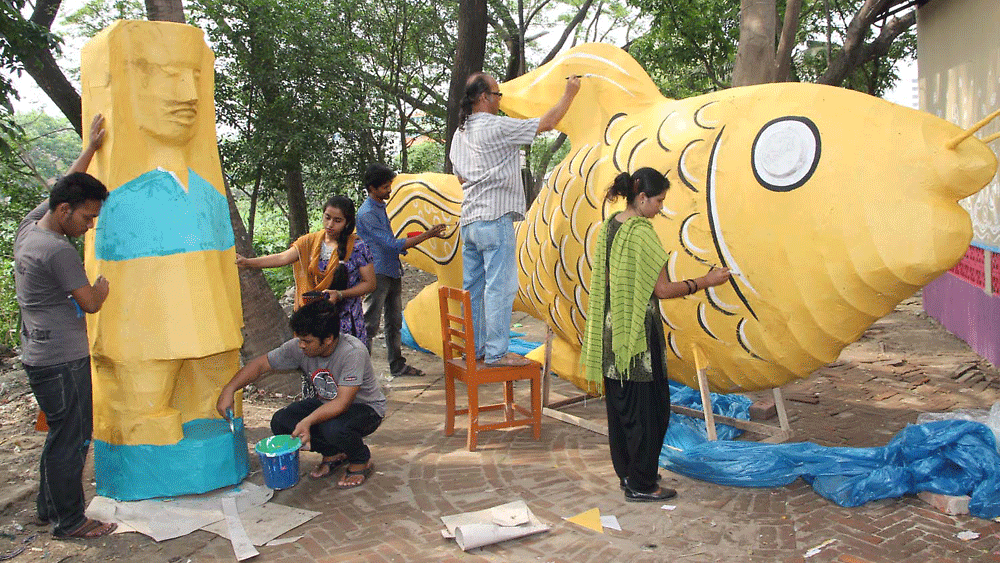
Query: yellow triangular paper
point(590, 519)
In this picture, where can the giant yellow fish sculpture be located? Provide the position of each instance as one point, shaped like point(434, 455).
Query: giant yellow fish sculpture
point(830, 207)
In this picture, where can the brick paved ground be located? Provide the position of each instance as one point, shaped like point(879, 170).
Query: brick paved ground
point(904, 365)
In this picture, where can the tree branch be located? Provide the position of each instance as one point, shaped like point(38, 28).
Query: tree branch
point(45, 12)
point(783, 57)
point(577, 18)
point(855, 51)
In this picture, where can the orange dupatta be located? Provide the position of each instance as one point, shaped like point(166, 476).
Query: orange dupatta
point(308, 276)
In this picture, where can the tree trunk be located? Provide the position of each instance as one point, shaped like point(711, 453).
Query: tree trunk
point(470, 51)
point(42, 67)
point(265, 325)
point(298, 213)
point(254, 196)
point(755, 52)
point(165, 10)
point(783, 58)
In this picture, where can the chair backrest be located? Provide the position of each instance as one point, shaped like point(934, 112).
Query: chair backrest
point(457, 336)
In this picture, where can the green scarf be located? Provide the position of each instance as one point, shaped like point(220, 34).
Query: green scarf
point(637, 256)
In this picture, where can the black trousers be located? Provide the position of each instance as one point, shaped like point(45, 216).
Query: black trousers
point(63, 392)
point(638, 414)
point(342, 434)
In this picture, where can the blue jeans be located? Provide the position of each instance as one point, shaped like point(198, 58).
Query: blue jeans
point(64, 394)
point(489, 274)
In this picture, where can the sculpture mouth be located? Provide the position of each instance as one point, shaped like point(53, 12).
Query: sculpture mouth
point(183, 115)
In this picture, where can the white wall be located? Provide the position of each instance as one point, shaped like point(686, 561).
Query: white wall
point(958, 59)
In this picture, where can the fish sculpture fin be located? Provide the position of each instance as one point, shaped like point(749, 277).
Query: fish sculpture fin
point(606, 72)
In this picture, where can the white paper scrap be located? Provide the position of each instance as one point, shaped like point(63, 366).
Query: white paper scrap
point(610, 521)
point(282, 541)
point(241, 543)
point(669, 507)
point(818, 548)
point(164, 519)
point(476, 529)
point(264, 523)
point(966, 535)
point(510, 514)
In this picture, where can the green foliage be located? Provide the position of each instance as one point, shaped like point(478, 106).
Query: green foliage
point(19, 195)
point(51, 144)
point(288, 87)
point(691, 47)
point(98, 14)
point(541, 158)
point(16, 35)
point(427, 156)
point(270, 237)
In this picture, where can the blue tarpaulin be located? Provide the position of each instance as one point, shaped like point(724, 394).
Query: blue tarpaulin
point(950, 457)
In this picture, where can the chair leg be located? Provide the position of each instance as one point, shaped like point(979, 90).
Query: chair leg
point(508, 400)
point(536, 405)
point(473, 415)
point(449, 401)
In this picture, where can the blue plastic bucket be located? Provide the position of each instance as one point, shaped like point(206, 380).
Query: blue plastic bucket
point(279, 458)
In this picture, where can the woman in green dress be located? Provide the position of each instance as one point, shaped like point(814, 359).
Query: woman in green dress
point(624, 342)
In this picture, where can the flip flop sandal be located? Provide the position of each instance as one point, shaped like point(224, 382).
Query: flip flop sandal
point(333, 465)
point(411, 371)
point(90, 529)
point(365, 473)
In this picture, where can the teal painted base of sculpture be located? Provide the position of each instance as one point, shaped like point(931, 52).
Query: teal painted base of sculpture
point(208, 457)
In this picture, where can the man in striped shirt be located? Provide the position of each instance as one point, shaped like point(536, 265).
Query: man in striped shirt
point(485, 154)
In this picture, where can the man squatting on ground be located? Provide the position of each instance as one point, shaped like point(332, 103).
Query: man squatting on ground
point(342, 402)
point(485, 153)
point(53, 293)
point(375, 230)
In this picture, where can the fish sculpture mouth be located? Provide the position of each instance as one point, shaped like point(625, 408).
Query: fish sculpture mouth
point(725, 254)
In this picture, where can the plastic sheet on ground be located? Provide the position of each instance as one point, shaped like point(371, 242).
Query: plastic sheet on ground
point(949, 457)
point(517, 345)
point(685, 431)
point(989, 417)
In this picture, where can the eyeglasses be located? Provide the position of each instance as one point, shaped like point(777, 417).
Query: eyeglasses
point(498, 95)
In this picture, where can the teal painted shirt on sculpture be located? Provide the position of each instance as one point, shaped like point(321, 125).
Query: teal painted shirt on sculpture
point(153, 215)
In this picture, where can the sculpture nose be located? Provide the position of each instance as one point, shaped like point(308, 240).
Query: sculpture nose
point(186, 87)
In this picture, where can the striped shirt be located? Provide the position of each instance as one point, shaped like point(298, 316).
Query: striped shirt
point(487, 156)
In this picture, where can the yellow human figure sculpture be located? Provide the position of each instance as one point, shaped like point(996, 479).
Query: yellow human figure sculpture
point(830, 207)
point(168, 337)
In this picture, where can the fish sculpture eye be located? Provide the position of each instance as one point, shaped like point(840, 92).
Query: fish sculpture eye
point(785, 153)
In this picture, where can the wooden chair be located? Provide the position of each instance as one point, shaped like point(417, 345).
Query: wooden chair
point(457, 338)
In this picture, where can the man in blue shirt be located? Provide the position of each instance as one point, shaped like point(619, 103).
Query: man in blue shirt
point(374, 228)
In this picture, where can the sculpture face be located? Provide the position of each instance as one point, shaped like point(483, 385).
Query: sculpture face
point(166, 94)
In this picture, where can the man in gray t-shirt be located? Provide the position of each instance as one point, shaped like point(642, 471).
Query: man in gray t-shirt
point(342, 400)
point(53, 293)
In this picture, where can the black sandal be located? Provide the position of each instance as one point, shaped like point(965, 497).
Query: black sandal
point(364, 473)
point(411, 371)
point(90, 529)
point(333, 464)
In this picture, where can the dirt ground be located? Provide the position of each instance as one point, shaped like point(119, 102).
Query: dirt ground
point(906, 333)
